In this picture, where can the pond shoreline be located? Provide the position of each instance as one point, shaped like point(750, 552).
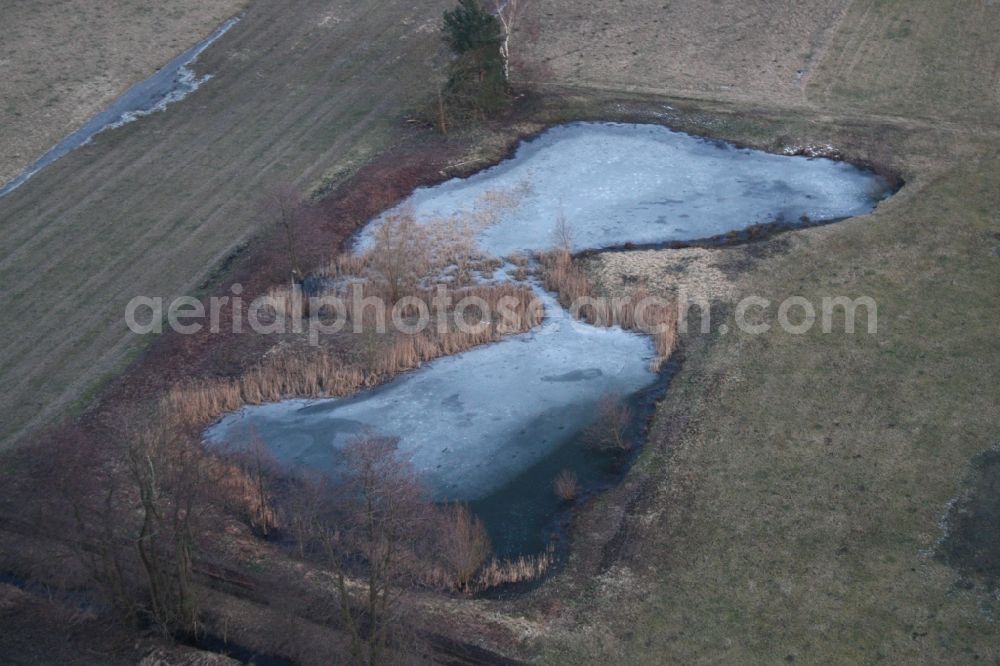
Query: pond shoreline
point(423, 160)
point(757, 182)
point(560, 535)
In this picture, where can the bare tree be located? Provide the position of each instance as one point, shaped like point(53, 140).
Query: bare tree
point(464, 544)
point(302, 508)
point(562, 234)
point(283, 204)
point(137, 504)
point(401, 253)
point(508, 12)
point(98, 531)
point(254, 492)
point(173, 482)
point(365, 530)
point(610, 431)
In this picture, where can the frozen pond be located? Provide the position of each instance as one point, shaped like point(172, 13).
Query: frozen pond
point(495, 424)
point(617, 183)
point(471, 422)
point(171, 83)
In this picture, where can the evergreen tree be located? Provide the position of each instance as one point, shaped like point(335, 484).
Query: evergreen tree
point(477, 86)
point(469, 27)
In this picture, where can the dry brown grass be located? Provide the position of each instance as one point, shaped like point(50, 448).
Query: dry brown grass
point(317, 372)
point(508, 572)
point(638, 311)
point(700, 273)
point(153, 208)
point(92, 54)
point(735, 50)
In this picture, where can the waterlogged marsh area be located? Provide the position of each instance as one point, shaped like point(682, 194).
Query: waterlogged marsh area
point(495, 424)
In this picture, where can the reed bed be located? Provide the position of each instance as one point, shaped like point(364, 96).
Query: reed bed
point(508, 572)
point(399, 277)
point(638, 311)
point(496, 573)
point(430, 573)
point(317, 372)
point(243, 489)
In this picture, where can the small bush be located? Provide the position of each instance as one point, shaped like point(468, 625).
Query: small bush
point(610, 430)
point(566, 485)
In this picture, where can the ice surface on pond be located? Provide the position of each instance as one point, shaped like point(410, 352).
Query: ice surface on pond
point(470, 422)
point(619, 183)
point(473, 422)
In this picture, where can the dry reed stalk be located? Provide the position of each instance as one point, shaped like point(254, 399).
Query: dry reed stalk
point(286, 302)
point(656, 318)
point(241, 491)
point(521, 570)
point(566, 485)
point(281, 376)
point(318, 373)
point(404, 254)
point(561, 275)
